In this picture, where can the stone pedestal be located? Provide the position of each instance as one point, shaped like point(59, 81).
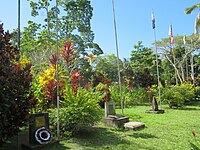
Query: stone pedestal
point(39, 147)
point(155, 111)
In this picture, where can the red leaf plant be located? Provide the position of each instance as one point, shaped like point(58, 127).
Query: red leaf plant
point(54, 59)
point(75, 78)
point(50, 91)
point(67, 52)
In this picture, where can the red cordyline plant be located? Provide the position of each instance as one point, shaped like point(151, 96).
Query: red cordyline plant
point(53, 59)
point(50, 91)
point(75, 78)
point(67, 52)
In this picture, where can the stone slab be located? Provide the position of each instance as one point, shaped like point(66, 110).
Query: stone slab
point(155, 111)
point(134, 125)
point(115, 121)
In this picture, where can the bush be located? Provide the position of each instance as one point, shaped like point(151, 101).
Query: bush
point(176, 95)
point(130, 96)
point(15, 79)
point(77, 110)
point(197, 93)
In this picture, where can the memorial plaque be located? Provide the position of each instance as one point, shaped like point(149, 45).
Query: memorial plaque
point(39, 121)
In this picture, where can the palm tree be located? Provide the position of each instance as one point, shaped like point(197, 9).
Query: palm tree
point(189, 10)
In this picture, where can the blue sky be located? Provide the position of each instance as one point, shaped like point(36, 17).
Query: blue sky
point(133, 18)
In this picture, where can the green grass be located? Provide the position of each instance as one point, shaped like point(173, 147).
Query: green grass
point(169, 131)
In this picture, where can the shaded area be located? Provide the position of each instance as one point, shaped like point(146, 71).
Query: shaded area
point(194, 147)
point(189, 108)
point(97, 136)
point(15, 144)
point(143, 135)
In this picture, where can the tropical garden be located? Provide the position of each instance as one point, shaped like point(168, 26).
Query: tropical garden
point(57, 64)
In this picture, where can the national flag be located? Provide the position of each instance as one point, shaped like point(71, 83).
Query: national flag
point(153, 21)
point(171, 34)
point(170, 31)
point(184, 39)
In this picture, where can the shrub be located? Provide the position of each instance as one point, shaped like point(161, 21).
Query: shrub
point(130, 96)
point(15, 79)
point(77, 110)
point(177, 95)
point(137, 96)
point(197, 93)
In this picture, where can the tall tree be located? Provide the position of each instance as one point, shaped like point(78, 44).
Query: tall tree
point(182, 54)
point(73, 24)
point(143, 64)
point(189, 10)
point(107, 65)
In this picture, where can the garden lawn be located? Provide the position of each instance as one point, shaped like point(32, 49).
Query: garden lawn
point(171, 130)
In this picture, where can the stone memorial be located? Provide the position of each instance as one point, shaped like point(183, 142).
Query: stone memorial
point(37, 121)
point(111, 118)
point(155, 109)
point(39, 134)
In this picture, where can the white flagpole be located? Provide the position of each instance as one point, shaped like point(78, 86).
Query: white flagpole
point(158, 76)
point(57, 79)
point(18, 25)
point(116, 43)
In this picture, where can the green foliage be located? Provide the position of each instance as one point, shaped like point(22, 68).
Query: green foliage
point(197, 93)
point(136, 96)
point(130, 96)
point(177, 95)
point(74, 16)
point(143, 64)
point(107, 65)
point(15, 80)
point(77, 110)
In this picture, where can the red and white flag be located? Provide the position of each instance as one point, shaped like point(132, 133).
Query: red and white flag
point(184, 39)
point(171, 34)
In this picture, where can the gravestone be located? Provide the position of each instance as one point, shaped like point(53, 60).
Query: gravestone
point(154, 104)
point(109, 108)
point(155, 109)
point(39, 135)
point(111, 118)
point(37, 121)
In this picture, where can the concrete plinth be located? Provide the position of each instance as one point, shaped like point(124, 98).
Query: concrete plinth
point(134, 125)
point(155, 111)
point(39, 147)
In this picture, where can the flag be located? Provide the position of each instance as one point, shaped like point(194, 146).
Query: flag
point(153, 21)
point(171, 34)
point(184, 39)
point(170, 31)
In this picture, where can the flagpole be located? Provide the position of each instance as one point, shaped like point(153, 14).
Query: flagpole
point(57, 79)
point(171, 46)
point(186, 63)
point(158, 76)
point(18, 42)
point(116, 43)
